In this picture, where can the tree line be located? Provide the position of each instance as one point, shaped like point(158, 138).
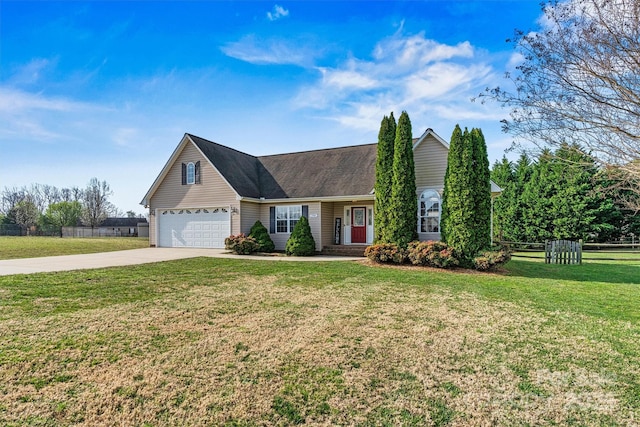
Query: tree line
point(561, 194)
point(578, 82)
point(48, 208)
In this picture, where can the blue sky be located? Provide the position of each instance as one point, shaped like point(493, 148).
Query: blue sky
point(108, 89)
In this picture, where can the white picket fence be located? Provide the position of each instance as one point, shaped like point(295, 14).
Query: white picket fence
point(563, 252)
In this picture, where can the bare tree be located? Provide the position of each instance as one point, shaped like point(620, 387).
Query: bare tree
point(36, 193)
point(579, 82)
point(9, 198)
point(51, 195)
point(96, 205)
point(41, 195)
point(25, 214)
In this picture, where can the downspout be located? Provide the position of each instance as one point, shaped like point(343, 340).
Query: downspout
point(491, 220)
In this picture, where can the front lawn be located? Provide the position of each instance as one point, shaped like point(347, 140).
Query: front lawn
point(29, 247)
point(238, 342)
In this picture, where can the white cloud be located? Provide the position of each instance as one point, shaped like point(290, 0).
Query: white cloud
point(415, 51)
point(32, 72)
point(125, 137)
point(514, 60)
point(14, 101)
point(270, 51)
point(347, 79)
point(277, 13)
point(425, 77)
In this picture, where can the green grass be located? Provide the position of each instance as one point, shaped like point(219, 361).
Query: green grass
point(31, 247)
point(236, 342)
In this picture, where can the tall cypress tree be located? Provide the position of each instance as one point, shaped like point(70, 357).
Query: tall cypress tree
point(481, 192)
point(457, 199)
point(384, 178)
point(404, 200)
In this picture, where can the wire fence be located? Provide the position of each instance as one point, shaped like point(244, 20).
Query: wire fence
point(16, 230)
point(81, 232)
point(78, 232)
point(10, 230)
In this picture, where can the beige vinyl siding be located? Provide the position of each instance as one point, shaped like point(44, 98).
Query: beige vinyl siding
point(280, 239)
point(430, 159)
point(213, 190)
point(249, 214)
point(327, 220)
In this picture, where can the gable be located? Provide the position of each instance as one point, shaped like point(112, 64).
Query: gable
point(168, 190)
point(430, 158)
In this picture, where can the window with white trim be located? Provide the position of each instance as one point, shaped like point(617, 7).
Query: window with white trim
point(287, 217)
point(429, 212)
point(191, 173)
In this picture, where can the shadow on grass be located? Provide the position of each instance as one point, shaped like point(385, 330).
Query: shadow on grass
point(589, 271)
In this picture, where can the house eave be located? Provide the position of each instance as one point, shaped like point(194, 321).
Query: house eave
point(437, 137)
point(350, 198)
point(163, 172)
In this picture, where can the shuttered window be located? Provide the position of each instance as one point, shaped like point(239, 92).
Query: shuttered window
point(284, 218)
point(191, 173)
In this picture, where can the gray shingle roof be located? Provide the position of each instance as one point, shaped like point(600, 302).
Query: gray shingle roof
point(241, 170)
point(344, 171)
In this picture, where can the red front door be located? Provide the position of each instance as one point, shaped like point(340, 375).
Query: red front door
point(358, 225)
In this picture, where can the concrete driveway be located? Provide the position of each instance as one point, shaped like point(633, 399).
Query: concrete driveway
point(133, 257)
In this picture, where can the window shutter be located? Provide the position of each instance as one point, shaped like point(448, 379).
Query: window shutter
point(197, 172)
point(184, 174)
point(305, 211)
point(272, 219)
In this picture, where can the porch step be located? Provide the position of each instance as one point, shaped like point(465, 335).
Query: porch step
point(344, 250)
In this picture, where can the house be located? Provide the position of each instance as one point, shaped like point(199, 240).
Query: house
point(207, 191)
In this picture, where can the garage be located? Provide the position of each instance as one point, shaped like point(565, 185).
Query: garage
point(193, 228)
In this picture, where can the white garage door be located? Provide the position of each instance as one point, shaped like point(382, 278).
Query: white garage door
point(193, 228)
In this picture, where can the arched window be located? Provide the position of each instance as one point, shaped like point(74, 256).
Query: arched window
point(191, 173)
point(429, 212)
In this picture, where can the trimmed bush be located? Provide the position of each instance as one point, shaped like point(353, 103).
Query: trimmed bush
point(491, 260)
point(301, 241)
point(261, 235)
point(432, 254)
point(386, 252)
point(241, 244)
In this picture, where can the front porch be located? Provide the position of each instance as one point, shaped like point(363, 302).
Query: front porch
point(347, 224)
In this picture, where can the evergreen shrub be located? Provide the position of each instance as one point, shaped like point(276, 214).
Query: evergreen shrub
point(301, 242)
point(432, 254)
point(386, 252)
point(241, 244)
point(261, 235)
point(492, 259)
